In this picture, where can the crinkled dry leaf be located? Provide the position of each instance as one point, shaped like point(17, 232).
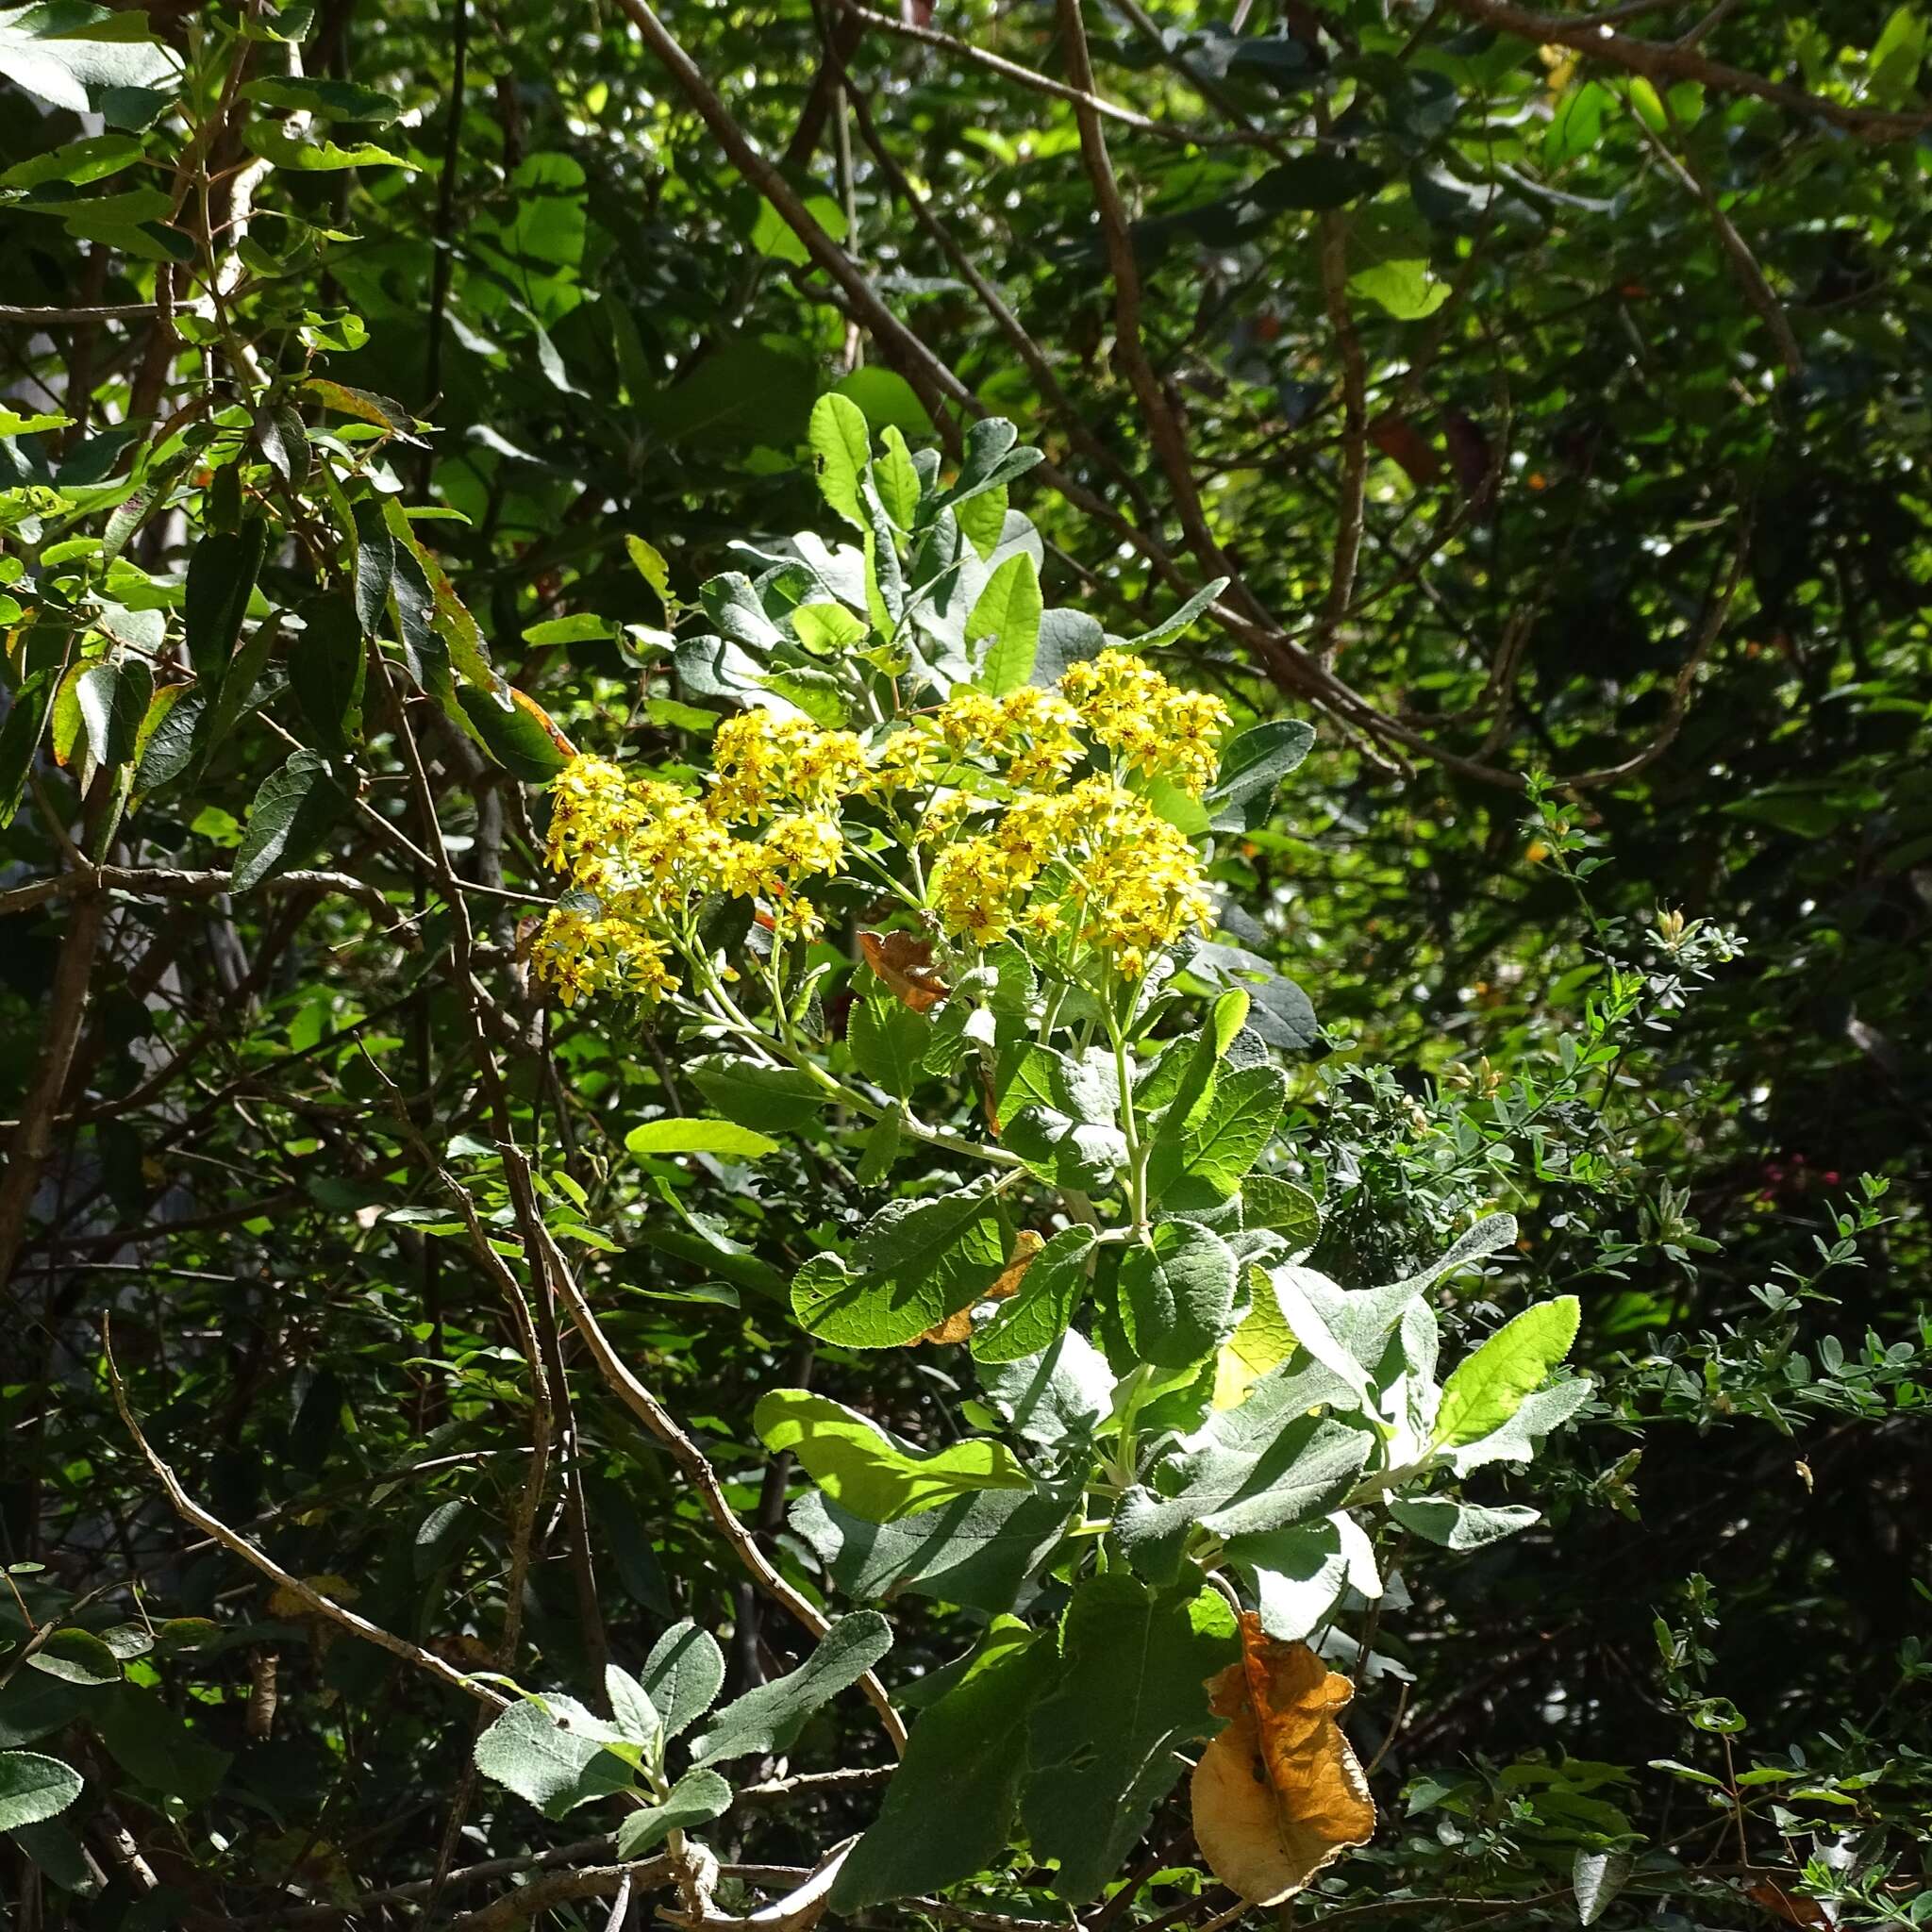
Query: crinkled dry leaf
point(957, 1326)
point(1278, 1794)
point(1791, 1906)
point(905, 963)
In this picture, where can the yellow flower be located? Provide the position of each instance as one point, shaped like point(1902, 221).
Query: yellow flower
point(760, 762)
point(578, 954)
point(1157, 729)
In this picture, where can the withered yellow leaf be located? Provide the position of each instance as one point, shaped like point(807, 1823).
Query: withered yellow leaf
point(905, 963)
point(1278, 1794)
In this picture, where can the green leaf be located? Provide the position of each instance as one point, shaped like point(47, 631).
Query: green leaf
point(889, 401)
point(1407, 288)
point(1459, 1525)
point(631, 1710)
point(842, 448)
point(1537, 1416)
point(220, 576)
point(1203, 1165)
point(915, 1263)
point(113, 700)
point(650, 565)
point(1577, 124)
point(33, 1788)
point(977, 1550)
point(771, 1100)
point(375, 566)
point(517, 731)
point(1104, 1746)
point(948, 1811)
point(896, 478)
point(1251, 765)
point(1487, 1387)
point(581, 627)
point(770, 1717)
point(870, 1472)
point(1287, 1208)
point(332, 100)
point(1061, 1395)
point(696, 1798)
point(154, 1746)
point(92, 158)
point(328, 669)
point(828, 630)
point(292, 811)
point(315, 156)
point(1896, 57)
point(682, 1136)
point(528, 1750)
point(78, 1657)
point(888, 1042)
point(171, 744)
point(684, 1671)
point(1178, 1294)
point(1260, 1467)
point(1597, 1877)
point(1182, 621)
point(20, 737)
point(1005, 617)
point(982, 520)
point(1031, 1321)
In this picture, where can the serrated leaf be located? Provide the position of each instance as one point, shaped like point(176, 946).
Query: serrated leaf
point(33, 1788)
point(1597, 1877)
point(517, 731)
point(221, 575)
point(294, 809)
point(113, 700)
point(327, 668)
point(631, 1708)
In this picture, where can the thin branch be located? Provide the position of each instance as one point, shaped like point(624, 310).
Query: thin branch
point(1081, 96)
point(1673, 60)
point(1750, 276)
point(238, 1544)
point(698, 1471)
point(1355, 433)
point(158, 883)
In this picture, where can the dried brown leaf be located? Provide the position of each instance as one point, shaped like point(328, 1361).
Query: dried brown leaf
point(1278, 1794)
point(905, 963)
point(957, 1326)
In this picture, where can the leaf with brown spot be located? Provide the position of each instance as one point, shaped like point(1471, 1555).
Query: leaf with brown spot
point(957, 1326)
point(1278, 1794)
point(905, 963)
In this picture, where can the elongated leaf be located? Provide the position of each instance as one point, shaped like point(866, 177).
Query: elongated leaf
point(770, 1717)
point(221, 575)
point(676, 1136)
point(771, 1100)
point(113, 700)
point(1459, 1525)
point(327, 668)
point(1487, 1388)
point(866, 1471)
point(1597, 1877)
point(1182, 619)
point(517, 732)
point(840, 448)
point(1005, 618)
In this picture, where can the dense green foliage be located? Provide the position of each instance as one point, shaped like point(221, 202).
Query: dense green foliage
point(1493, 1249)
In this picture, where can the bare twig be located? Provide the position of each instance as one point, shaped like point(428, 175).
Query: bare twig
point(238, 1544)
point(160, 883)
point(698, 1471)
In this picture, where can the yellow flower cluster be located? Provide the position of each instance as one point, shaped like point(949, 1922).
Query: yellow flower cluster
point(1087, 865)
point(758, 762)
point(650, 852)
point(1097, 863)
point(1160, 730)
